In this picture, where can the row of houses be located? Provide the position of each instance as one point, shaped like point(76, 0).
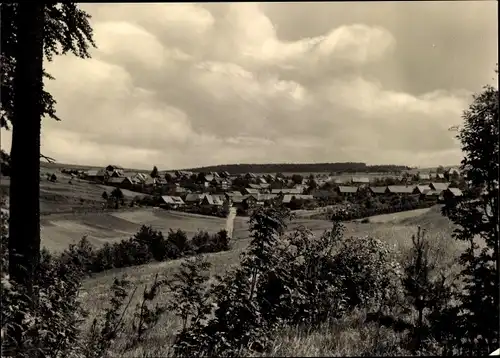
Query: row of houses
point(231, 199)
point(431, 190)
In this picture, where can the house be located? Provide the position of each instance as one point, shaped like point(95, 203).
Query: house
point(149, 181)
point(254, 186)
point(249, 202)
point(424, 176)
point(219, 198)
point(251, 191)
point(96, 175)
point(452, 194)
point(434, 195)
point(322, 194)
point(266, 197)
point(286, 191)
point(379, 190)
point(140, 177)
point(231, 194)
point(250, 176)
point(262, 180)
point(400, 189)
point(114, 181)
point(208, 178)
point(453, 172)
point(194, 198)
point(211, 201)
point(439, 186)
point(421, 189)
point(360, 180)
point(287, 198)
point(238, 199)
point(172, 201)
point(347, 190)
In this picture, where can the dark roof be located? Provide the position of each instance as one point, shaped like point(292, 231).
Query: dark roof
point(194, 197)
point(265, 197)
point(348, 189)
point(400, 189)
point(455, 191)
point(209, 199)
point(322, 194)
point(239, 199)
point(287, 191)
point(378, 189)
point(422, 188)
point(251, 191)
point(433, 193)
point(440, 186)
point(172, 199)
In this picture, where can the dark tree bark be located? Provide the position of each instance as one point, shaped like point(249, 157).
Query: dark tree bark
point(24, 224)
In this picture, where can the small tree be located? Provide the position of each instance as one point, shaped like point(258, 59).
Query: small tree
point(154, 172)
point(117, 196)
point(477, 217)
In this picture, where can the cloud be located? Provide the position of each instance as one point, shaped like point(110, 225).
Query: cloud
point(182, 85)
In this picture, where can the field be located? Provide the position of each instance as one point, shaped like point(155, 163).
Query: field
point(63, 197)
point(395, 229)
point(60, 230)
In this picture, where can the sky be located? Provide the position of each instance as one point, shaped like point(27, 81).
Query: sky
point(186, 85)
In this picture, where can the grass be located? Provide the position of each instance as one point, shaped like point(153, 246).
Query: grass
point(60, 230)
point(350, 336)
point(60, 196)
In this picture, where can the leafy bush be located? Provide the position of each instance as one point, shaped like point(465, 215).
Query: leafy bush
point(50, 324)
point(290, 279)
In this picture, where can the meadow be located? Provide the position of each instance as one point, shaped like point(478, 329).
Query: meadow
point(351, 336)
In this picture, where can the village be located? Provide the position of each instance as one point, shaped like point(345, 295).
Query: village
point(214, 193)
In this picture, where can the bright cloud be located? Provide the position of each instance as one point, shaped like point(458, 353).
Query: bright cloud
point(181, 85)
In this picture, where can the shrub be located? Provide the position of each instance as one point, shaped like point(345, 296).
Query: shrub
point(153, 242)
point(201, 242)
point(291, 279)
point(369, 275)
point(177, 244)
point(51, 320)
point(429, 294)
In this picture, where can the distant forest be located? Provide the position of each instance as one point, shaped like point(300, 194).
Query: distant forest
point(348, 167)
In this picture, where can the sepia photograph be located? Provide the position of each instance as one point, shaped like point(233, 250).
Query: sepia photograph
point(274, 179)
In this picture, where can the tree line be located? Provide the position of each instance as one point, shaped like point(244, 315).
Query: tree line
point(348, 167)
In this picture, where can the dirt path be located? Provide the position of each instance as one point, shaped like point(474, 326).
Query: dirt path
point(230, 222)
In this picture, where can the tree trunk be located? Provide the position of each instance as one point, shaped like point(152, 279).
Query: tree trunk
point(24, 224)
point(24, 220)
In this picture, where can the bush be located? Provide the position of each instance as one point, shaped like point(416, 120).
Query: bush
point(291, 279)
point(51, 322)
